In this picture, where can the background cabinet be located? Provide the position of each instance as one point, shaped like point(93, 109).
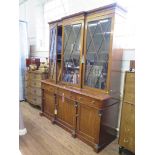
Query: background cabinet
point(33, 92)
point(127, 127)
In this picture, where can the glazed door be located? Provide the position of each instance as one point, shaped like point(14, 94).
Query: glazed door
point(97, 52)
point(53, 52)
point(72, 52)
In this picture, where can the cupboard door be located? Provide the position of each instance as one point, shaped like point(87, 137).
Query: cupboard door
point(72, 51)
point(88, 123)
point(129, 93)
point(48, 103)
point(127, 127)
point(53, 52)
point(66, 112)
point(97, 52)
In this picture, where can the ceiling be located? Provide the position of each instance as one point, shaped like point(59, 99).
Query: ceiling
point(41, 1)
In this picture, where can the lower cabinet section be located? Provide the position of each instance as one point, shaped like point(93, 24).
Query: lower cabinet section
point(84, 116)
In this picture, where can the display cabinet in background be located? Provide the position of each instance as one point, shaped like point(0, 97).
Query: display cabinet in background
point(127, 126)
point(82, 94)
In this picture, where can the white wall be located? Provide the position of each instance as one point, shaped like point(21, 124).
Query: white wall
point(32, 12)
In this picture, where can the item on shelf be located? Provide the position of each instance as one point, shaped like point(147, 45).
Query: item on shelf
point(43, 67)
point(32, 63)
point(32, 67)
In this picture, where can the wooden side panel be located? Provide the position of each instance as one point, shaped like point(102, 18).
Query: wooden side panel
point(129, 92)
point(127, 128)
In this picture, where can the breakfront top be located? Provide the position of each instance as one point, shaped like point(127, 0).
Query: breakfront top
point(84, 51)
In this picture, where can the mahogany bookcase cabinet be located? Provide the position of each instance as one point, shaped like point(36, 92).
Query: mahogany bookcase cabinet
point(83, 90)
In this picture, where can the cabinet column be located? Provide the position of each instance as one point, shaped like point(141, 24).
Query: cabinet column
point(75, 119)
point(55, 110)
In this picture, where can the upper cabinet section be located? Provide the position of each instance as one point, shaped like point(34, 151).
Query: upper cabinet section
point(85, 50)
point(97, 51)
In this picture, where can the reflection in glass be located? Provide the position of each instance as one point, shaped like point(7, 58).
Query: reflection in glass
point(53, 53)
point(97, 53)
point(71, 61)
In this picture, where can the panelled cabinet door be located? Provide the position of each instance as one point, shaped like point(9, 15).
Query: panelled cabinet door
point(97, 52)
point(53, 52)
point(66, 111)
point(72, 52)
point(88, 122)
point(48, 102)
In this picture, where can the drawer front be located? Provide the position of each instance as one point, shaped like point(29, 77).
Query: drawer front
point(36, 83)
point(27, 90)
point(86, 100)
point(36, 100)
point(48, 88)
point(29, 97)
point(64, 93)
point(36, 91)
point(35, 76)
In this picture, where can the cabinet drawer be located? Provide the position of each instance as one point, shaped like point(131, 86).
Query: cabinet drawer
point(29, 97)
point(35, 76)
point(37, 100)
point(28, 90)
point(36, 83)
point(48, 87)
point(65, 93)
point(86, 100)
point(36, 91)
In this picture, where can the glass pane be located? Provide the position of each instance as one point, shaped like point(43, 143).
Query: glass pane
point(53, 53)
point(97, 53)
point(71, 62)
